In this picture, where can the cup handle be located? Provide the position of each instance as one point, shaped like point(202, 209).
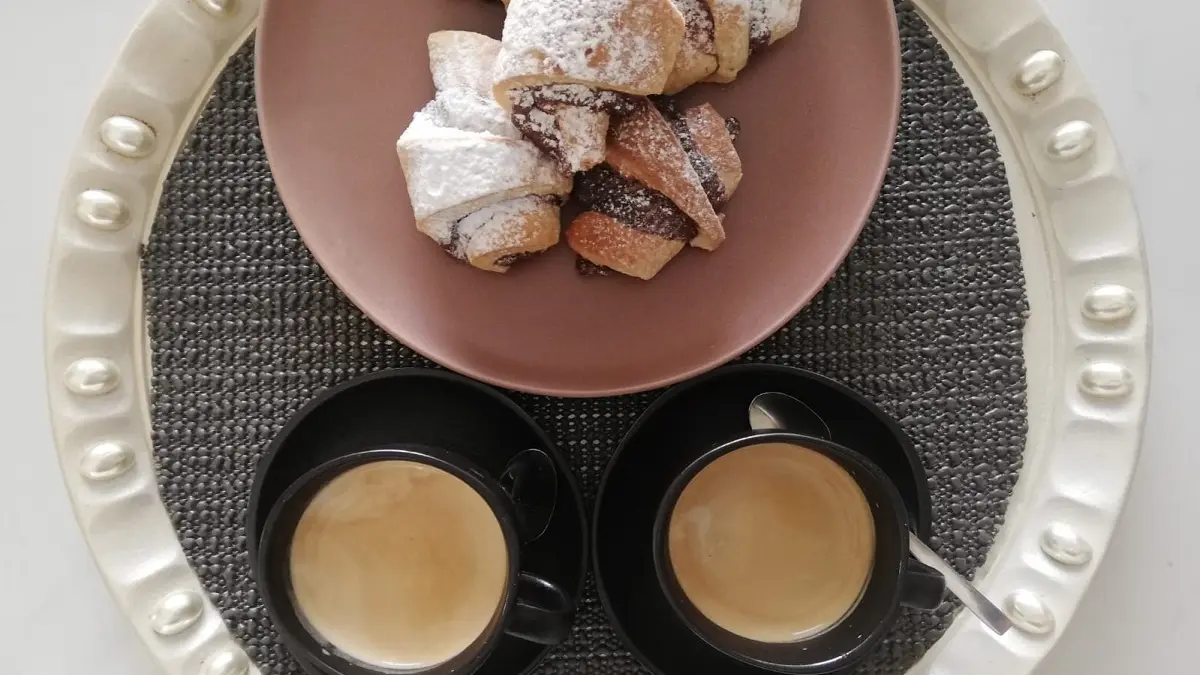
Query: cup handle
point(922, 588)
point(531, 481)
point(542, 612)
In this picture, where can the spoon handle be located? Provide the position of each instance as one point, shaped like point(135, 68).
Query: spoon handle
point(980, 606)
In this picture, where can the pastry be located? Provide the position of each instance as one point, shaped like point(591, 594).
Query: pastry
point(565, 67)
point(478, 188)
point(771, 21)
point(720, 35)
point(697, 58)
point(651, 146)
point(731, 37)
point(744, 27)
point(666, 174)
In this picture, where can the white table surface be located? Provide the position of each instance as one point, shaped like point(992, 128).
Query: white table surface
point(1141, 614)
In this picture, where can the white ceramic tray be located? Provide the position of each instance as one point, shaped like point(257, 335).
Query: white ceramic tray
point(1086, 344)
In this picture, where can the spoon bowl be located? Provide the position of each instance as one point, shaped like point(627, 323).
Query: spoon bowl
point(775, 411)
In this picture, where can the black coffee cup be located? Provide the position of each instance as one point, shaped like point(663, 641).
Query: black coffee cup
point(895, 580)
point(521, 499)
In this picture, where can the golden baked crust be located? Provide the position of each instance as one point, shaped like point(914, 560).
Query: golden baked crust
point(692, 66)
point(477, 188)
point(731, 34)
point(625, 232)
point(712, 139)
point(604, 241)
point(643, 147)
point(628, 46)
point(522, 228)
point(697, 55)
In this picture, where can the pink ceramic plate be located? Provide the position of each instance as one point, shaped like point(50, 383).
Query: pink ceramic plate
point(339, 81)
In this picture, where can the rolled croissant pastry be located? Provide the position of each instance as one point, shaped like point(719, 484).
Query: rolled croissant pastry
point(720, 36)
point(666, 174)
point(478, 188)
point(567, 66)
point(731, 37)
point(697, 58)
point(744, 27)
point(771, 21)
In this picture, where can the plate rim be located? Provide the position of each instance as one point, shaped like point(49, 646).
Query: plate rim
point(1080, 453)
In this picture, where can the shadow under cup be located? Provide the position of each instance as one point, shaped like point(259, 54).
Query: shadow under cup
point(895, 579)
point(529, 607)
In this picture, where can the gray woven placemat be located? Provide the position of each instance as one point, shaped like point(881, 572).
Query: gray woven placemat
point(925, 317)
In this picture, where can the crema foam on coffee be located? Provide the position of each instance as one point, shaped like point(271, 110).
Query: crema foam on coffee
point(398, 565)
point(772, 542)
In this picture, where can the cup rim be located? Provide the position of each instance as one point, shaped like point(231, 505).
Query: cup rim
point(286, 433)
point(310, 646)
point(684, 609)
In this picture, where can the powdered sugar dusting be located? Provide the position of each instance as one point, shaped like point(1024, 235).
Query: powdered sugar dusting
point(461, 64)
point(770, 12)
point(568, 121)
point(577, 95)
point(644, 131)
point(636, 206)
point(770, 20)
point(467, 110)
point(625, 45)
point(698, 19)
point(461, 152)
point(462, 60)
point(573, 134)
point(583, 134)
point(651, 147)
point(497, 227)
point(451, 168)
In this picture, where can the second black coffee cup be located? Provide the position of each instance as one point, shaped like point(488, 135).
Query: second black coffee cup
point(408, 559)
point(788, 552)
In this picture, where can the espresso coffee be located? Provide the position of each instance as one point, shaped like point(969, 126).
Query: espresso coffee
point(398, 565)
point(772, 542)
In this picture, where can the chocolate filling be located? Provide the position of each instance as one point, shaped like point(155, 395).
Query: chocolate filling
point(508, 260)
point(623, 199)
point(533, 111)
point(588, 268)
point(453, 247)
point(700, 29)
point(734, 126)
point(559, 200)
point(760, 28)
point(710, 180)
point(549, 96)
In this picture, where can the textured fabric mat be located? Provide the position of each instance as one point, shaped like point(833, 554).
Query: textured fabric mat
point(925, 318)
